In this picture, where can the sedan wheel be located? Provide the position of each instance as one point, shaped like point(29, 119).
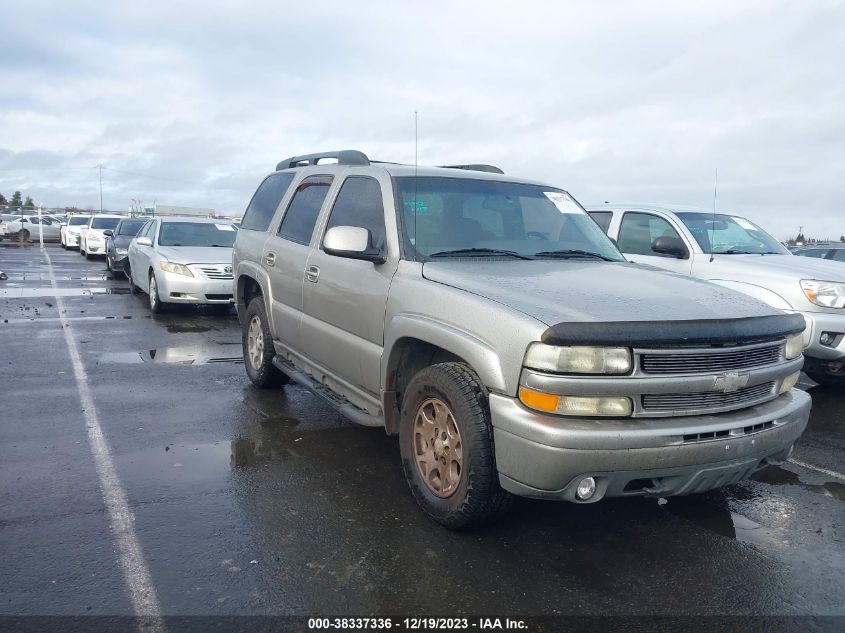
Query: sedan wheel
point(156, 305)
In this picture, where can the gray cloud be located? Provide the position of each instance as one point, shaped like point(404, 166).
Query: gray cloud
point(193, 103)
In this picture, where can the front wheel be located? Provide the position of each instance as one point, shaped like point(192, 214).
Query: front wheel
point(446, 442)
point(257, 341)
point(826, 377)
point(157, 306)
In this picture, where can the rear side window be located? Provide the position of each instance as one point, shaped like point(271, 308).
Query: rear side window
point(266, 200)
point(814, 252)
point(301, 215)
point(839, 255)
point(602, 218)
point(359, 203)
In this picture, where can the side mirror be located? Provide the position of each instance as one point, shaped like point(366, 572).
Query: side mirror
point(143, 241)
point(352, 242)
point(670, 245)
point(108, 233)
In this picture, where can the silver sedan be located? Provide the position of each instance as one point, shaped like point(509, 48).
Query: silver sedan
point(183, 260)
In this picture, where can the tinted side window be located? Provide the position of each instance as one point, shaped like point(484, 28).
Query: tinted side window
point(814, 252)
point(602, 218)
point(839, 255)
point(301, 215)
point(359, 203)
point(266, 200)
point(639, 230)
point(148, 231)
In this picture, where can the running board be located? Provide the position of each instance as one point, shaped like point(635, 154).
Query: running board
point(341, 404)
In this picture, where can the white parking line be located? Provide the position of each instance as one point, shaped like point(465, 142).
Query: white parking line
point(826, 471)
point(135, 571)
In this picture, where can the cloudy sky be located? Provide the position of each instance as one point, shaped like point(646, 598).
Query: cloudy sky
point(192, 103)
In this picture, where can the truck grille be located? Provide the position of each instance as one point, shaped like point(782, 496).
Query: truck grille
point(699, 362)
point(706, 399)
point(216, 272)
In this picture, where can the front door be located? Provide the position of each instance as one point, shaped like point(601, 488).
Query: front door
point(344, 299)
point(637, 232)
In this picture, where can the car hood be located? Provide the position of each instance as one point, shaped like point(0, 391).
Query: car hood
point(196, 254)
point(122, 241)
point(573, 291)
point(746, 267)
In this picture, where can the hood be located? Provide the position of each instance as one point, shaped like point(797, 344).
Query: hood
point(196, 254)
point(584, 291)
point(772, 267)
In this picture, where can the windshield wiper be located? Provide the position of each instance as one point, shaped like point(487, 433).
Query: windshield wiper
point(573, 253)
point(733, 251)
point(460, 252)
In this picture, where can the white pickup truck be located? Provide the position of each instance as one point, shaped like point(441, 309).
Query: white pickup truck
point(731, 251)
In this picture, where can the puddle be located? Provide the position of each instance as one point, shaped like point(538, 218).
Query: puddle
point(186, 328)
point(48, 291)
point(202, 354)
point(777, 476)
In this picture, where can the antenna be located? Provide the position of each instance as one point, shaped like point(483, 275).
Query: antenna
point(713, 224)
point(416, 162)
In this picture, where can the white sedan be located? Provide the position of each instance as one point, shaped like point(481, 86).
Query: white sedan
point(183, 260)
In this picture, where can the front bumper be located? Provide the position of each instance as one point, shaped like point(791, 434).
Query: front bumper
point(817, 324)
point(95, 249)
point(118, 262)
point(546, 456)
point(71, 239)
point(173, 288)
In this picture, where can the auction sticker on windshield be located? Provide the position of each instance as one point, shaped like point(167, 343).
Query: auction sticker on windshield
point(563, 202)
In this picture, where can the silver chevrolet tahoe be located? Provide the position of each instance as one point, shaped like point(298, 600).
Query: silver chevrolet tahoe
point(490, 324)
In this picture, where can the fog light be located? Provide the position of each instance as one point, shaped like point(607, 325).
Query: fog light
point(789, 382)
point(586, 488)
point(829, 338)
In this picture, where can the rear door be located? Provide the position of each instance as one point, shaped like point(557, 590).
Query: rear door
point(285, 256)
point(344, 299)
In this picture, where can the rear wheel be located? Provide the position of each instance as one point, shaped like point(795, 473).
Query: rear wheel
point(446, 442)
point(258, 348)
point(157, 306)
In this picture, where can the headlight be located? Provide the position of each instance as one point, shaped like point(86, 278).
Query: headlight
point(828, 294)
point(179, 269)
point(599, 406)
point(578, 359)
point(794, 345)
point(121, 251)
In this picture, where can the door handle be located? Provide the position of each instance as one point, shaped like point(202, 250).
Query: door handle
point(312, 274)
point(270, 259)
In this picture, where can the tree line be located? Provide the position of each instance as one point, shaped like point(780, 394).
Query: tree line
point(16, 201)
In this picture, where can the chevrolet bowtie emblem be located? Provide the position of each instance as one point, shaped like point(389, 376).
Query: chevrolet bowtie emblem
point(730, 381)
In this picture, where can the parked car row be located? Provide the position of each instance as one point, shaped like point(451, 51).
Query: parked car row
point(515, 342)
point(30, 227)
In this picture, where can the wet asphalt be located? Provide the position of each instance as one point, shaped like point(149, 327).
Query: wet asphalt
point(268, 502)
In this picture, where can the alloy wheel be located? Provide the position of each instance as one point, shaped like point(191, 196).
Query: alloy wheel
point(438, 450)
point(255, 343)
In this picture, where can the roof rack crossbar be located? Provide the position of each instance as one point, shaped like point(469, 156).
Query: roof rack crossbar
point(344, 157)
point(479, 167)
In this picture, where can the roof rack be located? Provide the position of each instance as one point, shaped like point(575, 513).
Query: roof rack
point(344, 157)
point(480, 167)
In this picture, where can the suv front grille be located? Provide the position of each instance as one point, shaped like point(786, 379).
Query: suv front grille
point(699, 362)
point(705, 400)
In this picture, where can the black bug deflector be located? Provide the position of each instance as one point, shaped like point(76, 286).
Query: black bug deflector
point(689, 332)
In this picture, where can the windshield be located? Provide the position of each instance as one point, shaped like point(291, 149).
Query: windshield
point(197, 234)
point(104, 223)
point(445, 217)
point(130, 227)
point(730, 235)
point(76, 221)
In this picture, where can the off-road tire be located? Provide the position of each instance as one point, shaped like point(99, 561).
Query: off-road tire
point(266, 375)
point(478, 499)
